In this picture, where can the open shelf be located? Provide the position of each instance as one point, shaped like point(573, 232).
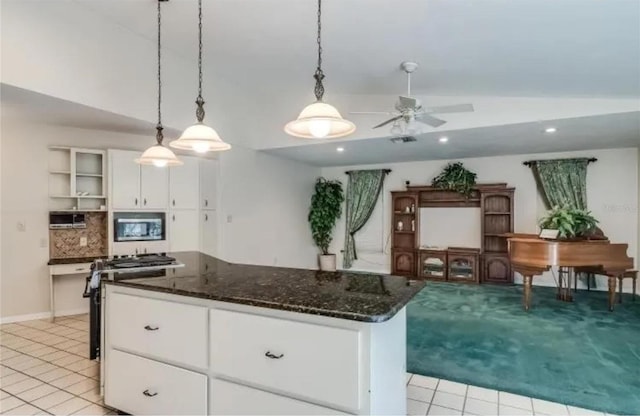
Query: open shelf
point(89, 175)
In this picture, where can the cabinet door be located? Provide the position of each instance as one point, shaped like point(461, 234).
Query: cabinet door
point(148, 247)
point(497, 268)
point(208, 233)
point(462, 267)
point(124, 179)
point(183, 230)
point(404, 263)
point(208, 183)
point(125, 248)
point(184, 190)
point(154, 187)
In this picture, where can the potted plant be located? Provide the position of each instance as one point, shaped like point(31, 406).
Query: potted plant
point(325, 209)
point(455, 177)
point(571, 223)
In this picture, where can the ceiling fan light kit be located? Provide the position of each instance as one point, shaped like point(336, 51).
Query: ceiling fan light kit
point(410, 113)
point(199, 137)
point(158, 155)
point(319, 120)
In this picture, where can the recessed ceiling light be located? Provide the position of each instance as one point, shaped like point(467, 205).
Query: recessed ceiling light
point(550, 130)
point(340, 149)
point(443, 139)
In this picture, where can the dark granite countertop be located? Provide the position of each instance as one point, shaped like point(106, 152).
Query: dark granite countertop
point(347, 295)
point(74, 260)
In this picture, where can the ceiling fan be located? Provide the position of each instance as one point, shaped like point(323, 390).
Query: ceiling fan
point(409, 110)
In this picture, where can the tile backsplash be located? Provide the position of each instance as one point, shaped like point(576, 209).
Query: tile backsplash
point(65, 243)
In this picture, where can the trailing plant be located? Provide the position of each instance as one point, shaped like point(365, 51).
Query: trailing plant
point(570, 222)
point(325, 209)
point(455, 177)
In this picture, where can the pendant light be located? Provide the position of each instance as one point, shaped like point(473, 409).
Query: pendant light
point(159, 155)
point(319, 120)
point(200, 137)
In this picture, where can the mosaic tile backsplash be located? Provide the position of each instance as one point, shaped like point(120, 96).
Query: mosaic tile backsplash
point(66, 243)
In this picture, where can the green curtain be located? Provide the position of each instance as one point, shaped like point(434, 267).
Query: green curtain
point(363, 189)
point(562, 182)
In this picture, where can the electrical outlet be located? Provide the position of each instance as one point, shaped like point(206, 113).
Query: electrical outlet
point(83, 241)
point(229, 219)
point(22, 226)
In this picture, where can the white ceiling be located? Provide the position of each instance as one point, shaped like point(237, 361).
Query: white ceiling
point(574, 63)
point(20, 105)
point(597, 132)
point(466, 47)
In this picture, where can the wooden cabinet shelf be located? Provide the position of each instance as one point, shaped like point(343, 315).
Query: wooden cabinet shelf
point(404, 213)
point(497, 213)
point(404, 232)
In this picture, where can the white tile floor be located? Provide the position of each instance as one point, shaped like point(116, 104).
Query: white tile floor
point(44, 369)
point(432, 396)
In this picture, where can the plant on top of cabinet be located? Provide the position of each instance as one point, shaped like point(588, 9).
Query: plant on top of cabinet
point(455, 177)
point(325, 209)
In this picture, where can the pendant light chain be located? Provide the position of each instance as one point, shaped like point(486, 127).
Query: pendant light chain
point(319, 75)
point(200, 100)
point(159, 136)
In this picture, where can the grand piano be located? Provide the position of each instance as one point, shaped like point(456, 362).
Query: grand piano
point(531, 256)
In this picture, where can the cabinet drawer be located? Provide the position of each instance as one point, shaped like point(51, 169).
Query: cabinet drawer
point(140, 386)
point(235, 399)
point(165, 330)
point(78, 268)
point(312, 362)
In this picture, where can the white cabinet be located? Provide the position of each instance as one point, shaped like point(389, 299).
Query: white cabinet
point(314, 362)
point(140, 386)
point(208, 233)
point(208, 184)
point(125, 179)
point(154, 187)
point(236, 399)
point(134, 186)
point(158, 329)
point(184, 230)
point(183, 184)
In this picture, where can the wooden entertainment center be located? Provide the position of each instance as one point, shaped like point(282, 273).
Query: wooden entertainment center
point(487, 264)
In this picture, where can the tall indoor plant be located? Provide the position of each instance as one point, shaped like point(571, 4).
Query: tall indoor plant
point(325, 209)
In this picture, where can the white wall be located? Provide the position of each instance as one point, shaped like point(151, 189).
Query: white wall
point(612, 192)
point(266, 201)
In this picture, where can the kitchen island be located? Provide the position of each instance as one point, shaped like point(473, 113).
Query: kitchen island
point(219, 338)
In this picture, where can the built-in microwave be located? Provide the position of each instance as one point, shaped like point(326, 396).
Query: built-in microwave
point(62, 220)
point(138, 226)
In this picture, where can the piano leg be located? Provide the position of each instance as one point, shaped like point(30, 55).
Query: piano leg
point(527, 292)
point(612, 292)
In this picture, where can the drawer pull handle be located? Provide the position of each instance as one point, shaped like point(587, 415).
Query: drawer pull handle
point(273, 356)
point(80, 269)
point(146, 393)
point(151, 328)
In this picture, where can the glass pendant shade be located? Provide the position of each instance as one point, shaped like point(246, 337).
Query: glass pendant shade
point(319, 121)
point(200, 138)
point(159, 156)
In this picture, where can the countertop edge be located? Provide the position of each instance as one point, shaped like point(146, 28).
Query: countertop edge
point(279, 306)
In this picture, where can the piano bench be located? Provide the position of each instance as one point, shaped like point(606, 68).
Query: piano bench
point(631, 274)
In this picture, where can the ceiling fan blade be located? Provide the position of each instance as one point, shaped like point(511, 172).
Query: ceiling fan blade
point(408, 102)
point(371, 112)
point(456, 108)
point(391, 120)
point(430, 120)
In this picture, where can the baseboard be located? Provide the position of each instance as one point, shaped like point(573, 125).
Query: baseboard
point(41, 315)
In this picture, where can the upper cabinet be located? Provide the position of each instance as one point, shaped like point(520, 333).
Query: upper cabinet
point(183, 184)
point(208, 183)
point(154, 187)
point(125, 179)
point(136, 186)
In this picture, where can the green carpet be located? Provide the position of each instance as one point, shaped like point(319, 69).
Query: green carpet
point(575, 353)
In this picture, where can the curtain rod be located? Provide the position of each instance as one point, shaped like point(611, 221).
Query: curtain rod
point(531, 162)
point(384, 170)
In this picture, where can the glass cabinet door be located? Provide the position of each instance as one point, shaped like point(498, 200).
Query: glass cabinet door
point(461, 268)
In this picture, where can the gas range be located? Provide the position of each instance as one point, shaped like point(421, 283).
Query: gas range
point(142, 260)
